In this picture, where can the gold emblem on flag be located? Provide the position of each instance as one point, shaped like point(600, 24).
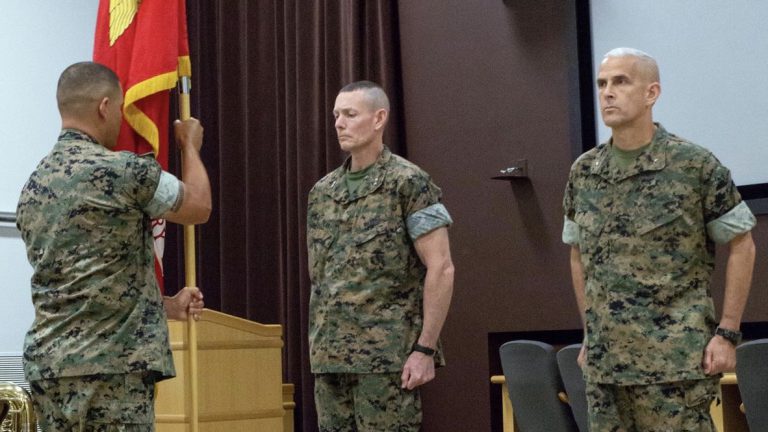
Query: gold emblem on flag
point(121, 15)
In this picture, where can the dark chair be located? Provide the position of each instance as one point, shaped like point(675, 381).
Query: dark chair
point(752, 373)
point(575, 387)
point(533, 380)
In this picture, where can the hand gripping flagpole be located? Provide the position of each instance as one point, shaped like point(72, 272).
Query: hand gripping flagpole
point(185, 85)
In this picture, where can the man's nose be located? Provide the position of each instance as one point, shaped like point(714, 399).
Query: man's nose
point(608, 91)
point(339, 124)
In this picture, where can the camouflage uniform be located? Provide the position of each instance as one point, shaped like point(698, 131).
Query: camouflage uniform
point(680, 406)
point(365, 402)
point(646, 236)
point(367, 280)
point(84, 215)
point(96, 403)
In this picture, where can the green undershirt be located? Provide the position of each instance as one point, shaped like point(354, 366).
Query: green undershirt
point(355, 178)
point(625, 158)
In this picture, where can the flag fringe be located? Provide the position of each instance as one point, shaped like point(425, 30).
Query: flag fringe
point(141, 122)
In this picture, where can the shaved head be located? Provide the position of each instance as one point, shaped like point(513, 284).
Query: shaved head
point(644, 64)
point(83, 84)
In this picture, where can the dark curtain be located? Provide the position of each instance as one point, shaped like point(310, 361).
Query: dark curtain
point(265, 78)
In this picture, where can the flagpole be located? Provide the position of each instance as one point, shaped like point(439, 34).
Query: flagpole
point(185, 85)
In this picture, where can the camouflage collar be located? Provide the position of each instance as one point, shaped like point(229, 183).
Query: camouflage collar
point(653, 158)
point(76, 135)
point(372, 181)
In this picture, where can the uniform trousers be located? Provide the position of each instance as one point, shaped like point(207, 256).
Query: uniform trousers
point(95, 403)
point(371, 402)
point(664, 407)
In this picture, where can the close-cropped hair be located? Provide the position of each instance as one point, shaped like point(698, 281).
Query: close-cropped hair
point(646, 62)
point(373, 92)
point(84, 82)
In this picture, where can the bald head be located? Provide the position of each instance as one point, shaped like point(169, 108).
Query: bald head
point(645, 65)
point(82, 85)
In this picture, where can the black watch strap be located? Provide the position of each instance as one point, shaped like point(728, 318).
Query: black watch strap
point(732, 336)
point(422, 349)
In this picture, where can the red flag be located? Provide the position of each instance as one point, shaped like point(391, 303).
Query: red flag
point(145, 43)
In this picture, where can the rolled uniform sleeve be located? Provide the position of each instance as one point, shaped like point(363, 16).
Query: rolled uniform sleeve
point(153, 190)
point(571, 230)
point(168, 196)
point(725, 214)
point(427, 219)
point(737, 221)
point(424, 211)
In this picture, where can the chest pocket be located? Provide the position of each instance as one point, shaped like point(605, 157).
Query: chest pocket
point(590, 224)
point(382, 246)
point(385, 228)
point(649, 222)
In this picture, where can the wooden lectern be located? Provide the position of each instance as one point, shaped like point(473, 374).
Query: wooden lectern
point(239, 378)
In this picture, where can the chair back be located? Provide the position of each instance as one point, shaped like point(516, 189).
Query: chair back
point(752, 374)
point(575, 387)
point(533, 380)
point(21, 415)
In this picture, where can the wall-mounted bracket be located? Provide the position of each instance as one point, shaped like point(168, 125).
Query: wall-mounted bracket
point(516, 169)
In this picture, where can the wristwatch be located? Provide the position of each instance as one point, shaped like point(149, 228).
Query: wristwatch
point(422, 349)
point(732, 336)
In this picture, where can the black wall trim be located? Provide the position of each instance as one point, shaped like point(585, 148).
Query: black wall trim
point(586, 77)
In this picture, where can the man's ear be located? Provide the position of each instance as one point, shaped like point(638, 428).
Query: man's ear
point(104, 107)
point(653, 93)
point(380, 118)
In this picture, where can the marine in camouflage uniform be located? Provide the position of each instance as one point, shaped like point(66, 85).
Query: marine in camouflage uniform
point(99, 340)
point(367, 305)
point(643, 230)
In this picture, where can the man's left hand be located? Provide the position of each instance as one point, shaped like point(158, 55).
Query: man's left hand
point(188, 301)
point(419, 369)
point(719, 356)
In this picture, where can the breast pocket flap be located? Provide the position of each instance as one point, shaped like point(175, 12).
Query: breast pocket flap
point(647, 223)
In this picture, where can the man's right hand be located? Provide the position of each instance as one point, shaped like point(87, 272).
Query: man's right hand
point(196, 199)
point(189, 134)
point(187, 302)
point(419, 369)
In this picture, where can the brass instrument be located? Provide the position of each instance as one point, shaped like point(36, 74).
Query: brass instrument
point(21, 414)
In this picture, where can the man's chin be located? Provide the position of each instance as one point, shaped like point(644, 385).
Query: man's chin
point(611, 122)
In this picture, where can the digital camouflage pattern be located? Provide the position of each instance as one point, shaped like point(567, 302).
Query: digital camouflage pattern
point(367, 280)
point(667, 407)
point(647, 258)
point(96, 403)
point(98, 309)
point(366, 402)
